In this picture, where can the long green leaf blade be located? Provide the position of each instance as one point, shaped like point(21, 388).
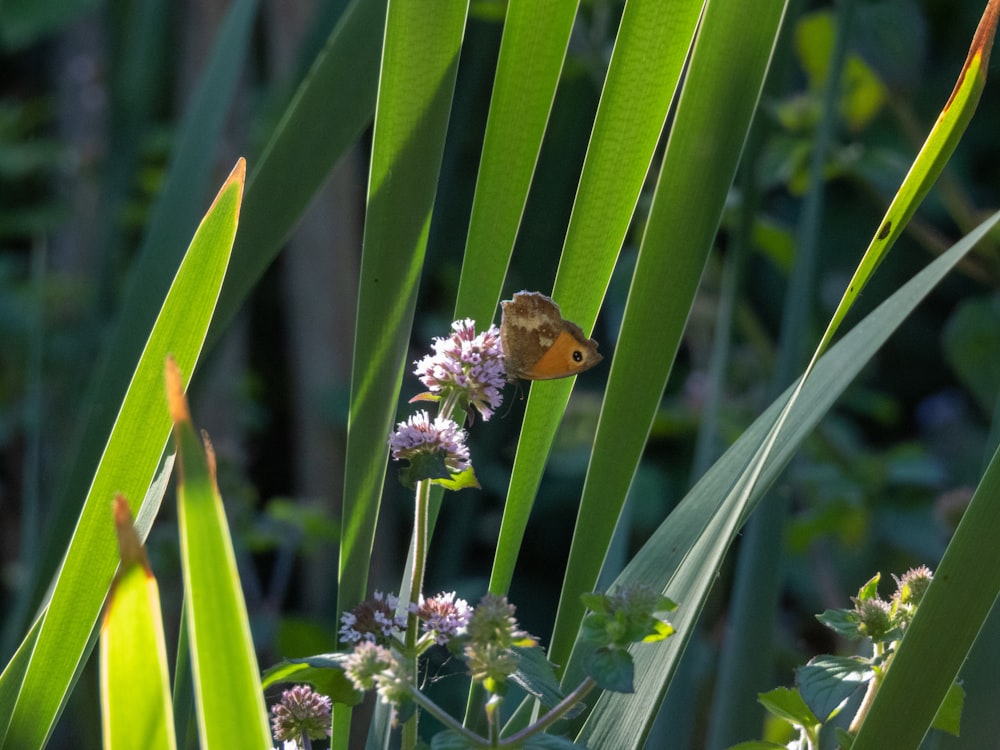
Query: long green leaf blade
point(531, 58)
point(926, 168)
point(716, 108)
point(649, 54)
point(174, 218)
point(229, 699)
point(128, 465)
point(135, 674)
point(683, 556)
point(419, 64)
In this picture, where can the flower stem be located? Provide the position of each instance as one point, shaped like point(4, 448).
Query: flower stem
point(448, 720)
point(552, 716)
point(420, 521)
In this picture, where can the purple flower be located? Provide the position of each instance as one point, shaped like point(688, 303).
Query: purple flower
point(466, 367)
point(374, 620)
point(441, 439)
point(444, 616)
point(301, 714)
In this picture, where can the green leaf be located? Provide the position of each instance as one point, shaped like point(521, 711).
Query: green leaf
point(949, 716)
point(461, 481)
point(650, 52)
point(229, 699)
point(930, 161)
point(417, 78)
point(723, 83)
point(531, 57)
point(175, 215)
point(135, 673)
point(870, 589)
point(325, 672)
point(128, 465)
point(661, 630)
point(787, 704)
point(682, 556)
point(611, 668)
point(826, 682)
point(596, 602)
point(536, 675)
point(843, 622)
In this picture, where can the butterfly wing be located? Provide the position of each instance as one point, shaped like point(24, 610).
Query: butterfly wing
point(539, 344)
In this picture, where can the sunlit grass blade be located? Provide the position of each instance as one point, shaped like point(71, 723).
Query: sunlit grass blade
point(179, 206)
point(649, 54)
point(531, 58)
point(926, 168)
point(419, 64)
point(683, 556)
point(934, 154)
point(417, 80)
point(128, 465)
point(716, 108)
point(135, 675)
point(229, 700)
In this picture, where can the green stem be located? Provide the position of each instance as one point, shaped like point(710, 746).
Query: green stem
point(553, 715)
point(448, 720)
point(447, 407)
point(420, 518)
point(866, 704)
point(515, 740)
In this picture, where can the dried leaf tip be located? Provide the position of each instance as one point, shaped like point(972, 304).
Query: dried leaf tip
point(239, 173)
point(175, 392)
point(983, 40)
point(129, 544)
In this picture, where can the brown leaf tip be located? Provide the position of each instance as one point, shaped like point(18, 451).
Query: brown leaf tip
point(129, 544)
point(175, 392)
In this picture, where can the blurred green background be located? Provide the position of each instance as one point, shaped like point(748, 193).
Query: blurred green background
point(92, 101)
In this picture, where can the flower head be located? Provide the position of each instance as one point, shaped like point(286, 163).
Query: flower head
point(629, 615)
point(491, 636)
point(874, 617)
point(910, 589)
point(371, 666)
point(374, 620)
point(301, 713)
point(421, 440)
point(365, 662)
point(444, 616)
point(466, 367)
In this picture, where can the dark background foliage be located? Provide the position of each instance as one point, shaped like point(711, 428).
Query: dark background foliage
point(91, 96)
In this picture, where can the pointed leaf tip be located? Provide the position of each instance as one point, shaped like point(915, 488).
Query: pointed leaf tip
point(206, 441)
point(129, 544)
point(175, 392)
point(238, 178)
point(983, 40)
point(239, 173)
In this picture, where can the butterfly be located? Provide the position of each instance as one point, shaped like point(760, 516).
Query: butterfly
point(538, 344)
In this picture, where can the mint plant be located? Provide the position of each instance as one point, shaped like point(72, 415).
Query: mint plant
point(385, 637)
point(827, 684)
